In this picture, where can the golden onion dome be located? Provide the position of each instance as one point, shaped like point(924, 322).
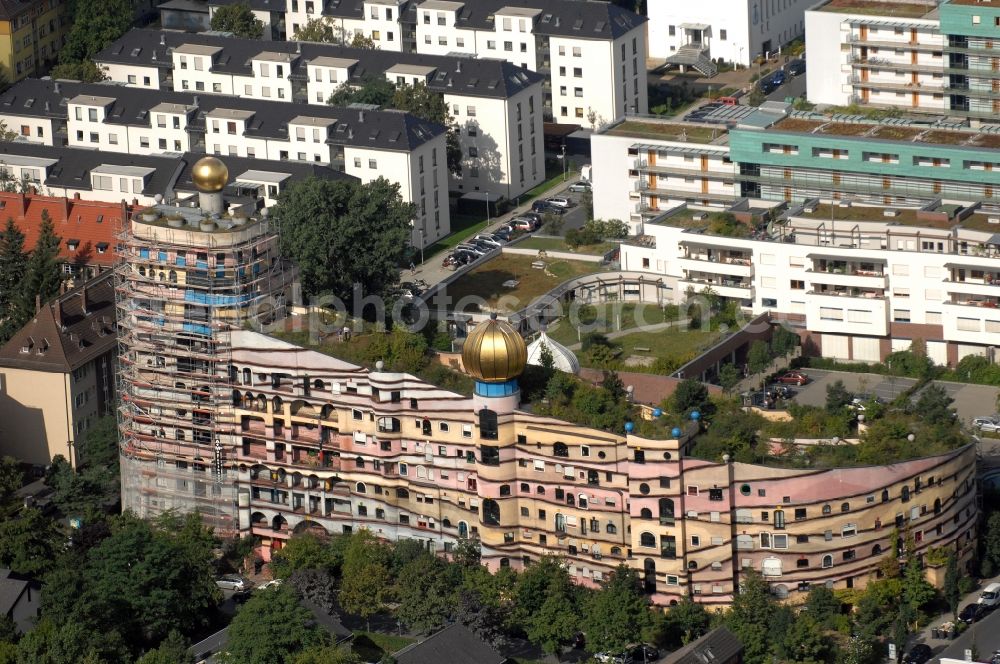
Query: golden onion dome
point(494, 352)
point(210, 175)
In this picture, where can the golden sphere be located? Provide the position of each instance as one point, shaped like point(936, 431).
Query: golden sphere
point(494, 352)
point(210, 175)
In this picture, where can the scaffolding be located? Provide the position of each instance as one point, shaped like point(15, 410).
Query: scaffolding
point(180, 289)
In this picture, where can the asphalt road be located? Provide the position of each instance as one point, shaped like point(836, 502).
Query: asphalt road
point(985, 635)
point(794, 87)
point(970, 400)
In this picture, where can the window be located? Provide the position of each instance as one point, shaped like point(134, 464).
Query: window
point(827, 561)
point(849, 530)
point(722, 35)
point(800, 513)
point(645, 539)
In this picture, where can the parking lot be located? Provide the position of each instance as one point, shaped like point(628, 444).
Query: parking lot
point(970, 400)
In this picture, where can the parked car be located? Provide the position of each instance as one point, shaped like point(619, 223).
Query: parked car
point(409, 290)
point(973, 613)
point(558, 202)
point(990, 597)
point(781, 391)
point(233, 582)
point(769, 84)
point(613, 658)
point(471, 248)
point(534, 216)
point(988, 423)
point(272, 584)
point(504, 233)
point(644, 654)
point(581, 186)
point(524, 224)
point(796, 67)
point(779, 78)
point(793, 378)
point(488, 238)
point(861, 402)
point(918, 654)
point(540, 207)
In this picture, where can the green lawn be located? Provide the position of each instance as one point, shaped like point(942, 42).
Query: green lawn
point(610, 315)
point(558, 244)
point(371, 646)
point(672, 342)
point(486, 281)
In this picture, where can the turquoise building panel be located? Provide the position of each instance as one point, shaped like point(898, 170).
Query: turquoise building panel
point(960, 19)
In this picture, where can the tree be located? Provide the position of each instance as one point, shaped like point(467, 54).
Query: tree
point(822, 605)
point(805, 641)
point(729, 377)
point(11, 477)
point(685, 622)
point(617, 614)
point(951, 591)
point(759, 357)
point(28, 543)
point(96, 23)
point(304, 551)
point(172, 650)
point(934, 405)
point(859, 650)
point(320, 30)
point(749, 618)
point(375, 90)
point(484, 618)
point(690, 395)
point(13, 266)
point(557, 619)
point(85, 70)
point(990, 541)
point(467, 552)
point(361, 41)
point(425, 593)
point(366, 569)
point(43, 275)
point(272, 627)
point(326, 655)
point(239, 20)
point(783, 341)
point(837, 396)
point(316, 586)
point(341, 233)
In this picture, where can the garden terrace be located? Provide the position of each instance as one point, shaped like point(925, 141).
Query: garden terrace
point(904, 216)
point(677, 131)
point(875, 8)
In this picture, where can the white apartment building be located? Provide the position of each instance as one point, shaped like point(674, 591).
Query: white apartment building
point(642, 169)
point(735, 31)
point(861, 282)
point(114, 177)
point(497, 105)
point(361, 143)
point(917, 56)
point(591, 53)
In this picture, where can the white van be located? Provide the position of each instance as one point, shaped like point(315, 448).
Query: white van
point(990, 595)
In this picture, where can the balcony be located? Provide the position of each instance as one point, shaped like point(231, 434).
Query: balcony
point(717, 263)
point(986, 286)
point(847, 275)
point(729, 288)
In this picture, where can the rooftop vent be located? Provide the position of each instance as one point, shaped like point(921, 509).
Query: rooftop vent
point(844, 204)
point(809, 209)
point(890, 212)
point(699, 216)
point(993, 220)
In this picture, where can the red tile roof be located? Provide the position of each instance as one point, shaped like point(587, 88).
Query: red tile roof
point(90, 223)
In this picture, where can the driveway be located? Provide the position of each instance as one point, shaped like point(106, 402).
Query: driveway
point(795, 87)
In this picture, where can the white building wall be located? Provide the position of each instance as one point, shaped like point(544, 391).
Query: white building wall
point(137, 77)
point(825, 82)
point(383, 26)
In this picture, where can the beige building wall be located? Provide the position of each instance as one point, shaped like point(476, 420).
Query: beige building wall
point(33, 403)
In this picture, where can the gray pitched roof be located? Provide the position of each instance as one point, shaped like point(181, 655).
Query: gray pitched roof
point(566, 18)
point(465, 75)
point(455, 643)
point(719, 646)
point(11, 590)
point(386, 130)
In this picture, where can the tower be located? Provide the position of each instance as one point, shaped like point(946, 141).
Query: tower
point(186, 277)
point(494, 354)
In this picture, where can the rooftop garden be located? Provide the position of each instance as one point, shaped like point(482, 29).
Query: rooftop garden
point(511, 282)
point(560, 244)
point(904, 216)
point(799, 124)
point(875, 8)
point(678, 131)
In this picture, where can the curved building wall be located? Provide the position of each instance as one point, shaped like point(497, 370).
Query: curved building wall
point(320, 443)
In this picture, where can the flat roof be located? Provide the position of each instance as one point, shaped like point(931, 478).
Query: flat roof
point(197, 49)
point(312, 121)
point(234, 113)
point(988, 3)
point(92, 100)
point(980, 221)
point(878, 8)
point(120, 169)
point(860, 213)
point(330, 61)
point(272, 56)
point(890, 130)
point(263, 176)
point(416, 70)
point(443, 5)
point(669, 131)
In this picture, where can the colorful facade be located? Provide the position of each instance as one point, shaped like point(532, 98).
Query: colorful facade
point(31, 34)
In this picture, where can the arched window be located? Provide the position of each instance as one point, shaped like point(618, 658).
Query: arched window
point(359, 462)
point(425, 427)
point(540, 490)
point(463, 529)
point(491, 512)
point(876, 550)
point(487, 424)
point(611, 529)
point(666, 506)
point(560, 523)
point(845, 507)
point(276, 404)
point(237, 399)
point(937, 505)
point(904, 494)
point(616, 551)
point(560, 450)
point(647, 539)
point(525, 488)
point(319, 385)
point(885, 495)
point(649, 575)
point(826, 509)
point(644, 489)
point(359, 487)
point(780, 591)
point(645, 513)
point(569, 499)
point(582, 501)
point(173, 277)
point(179, 434)
point(402, 493)
point(827, 561)
point(446, 522)
point(692, 564)
point(505, 562)
point(504, 489)
point(247, 377)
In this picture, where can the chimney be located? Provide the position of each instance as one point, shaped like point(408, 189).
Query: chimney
point(57, 313)
point(57, 88)
point(47, 107)
point(196, 100)
point(20, 204)
point(83, 299)
point(361, 116)
point(38, 303)
point(458, 66)
point(163, 39)
point(65, 202)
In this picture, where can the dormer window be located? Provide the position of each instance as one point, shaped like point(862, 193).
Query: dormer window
point(72, 245)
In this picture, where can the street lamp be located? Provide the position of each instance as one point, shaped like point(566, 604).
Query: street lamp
point(563, 157)
point(487, 208)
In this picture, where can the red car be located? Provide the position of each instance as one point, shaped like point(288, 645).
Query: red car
point(793, 377)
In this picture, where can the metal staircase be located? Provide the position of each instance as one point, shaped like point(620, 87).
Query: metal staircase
point(695, 56)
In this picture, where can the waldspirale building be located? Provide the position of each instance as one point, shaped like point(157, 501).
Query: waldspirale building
point(325, 445)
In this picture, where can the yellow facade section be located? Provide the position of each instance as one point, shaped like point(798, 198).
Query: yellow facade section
point(30, 40)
